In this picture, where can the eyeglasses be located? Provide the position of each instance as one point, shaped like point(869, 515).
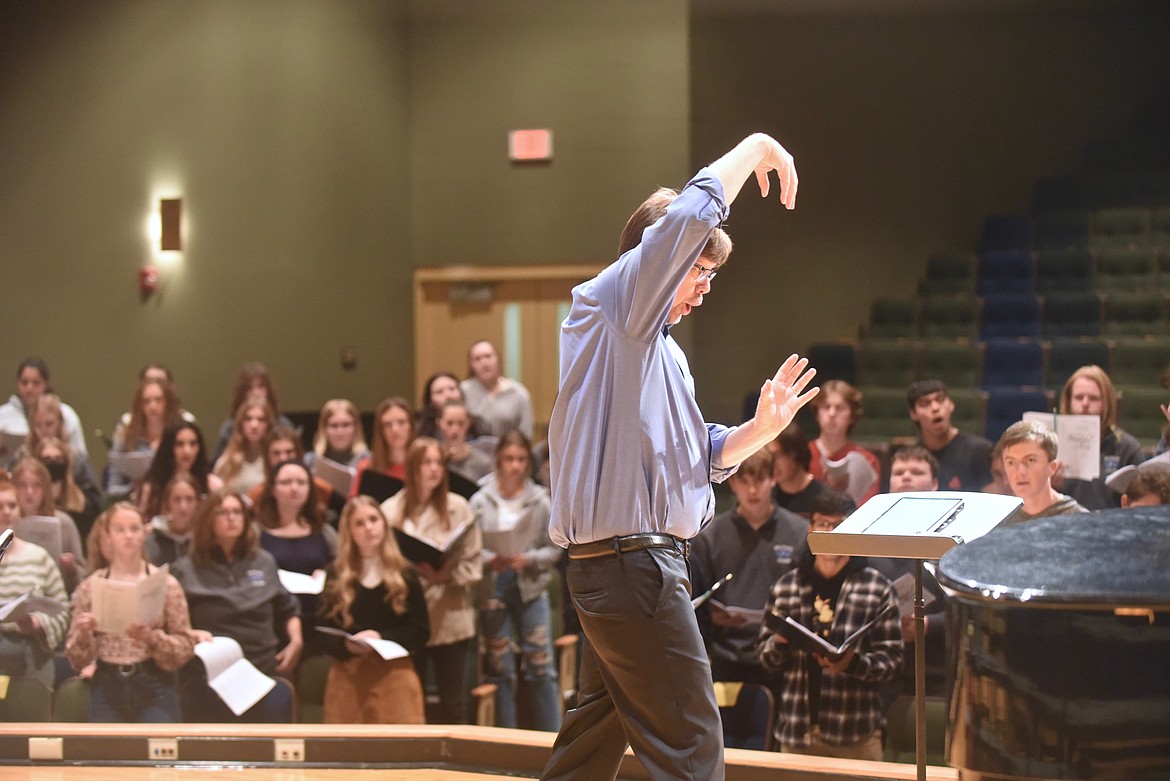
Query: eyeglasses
point(705, 273)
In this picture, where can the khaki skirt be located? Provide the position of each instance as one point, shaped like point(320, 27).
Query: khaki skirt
point(370, 690)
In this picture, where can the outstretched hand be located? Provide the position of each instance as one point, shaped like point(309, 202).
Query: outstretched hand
point(782, 396)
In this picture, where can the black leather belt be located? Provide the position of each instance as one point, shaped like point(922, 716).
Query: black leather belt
point(615, 546)
point(129, 670)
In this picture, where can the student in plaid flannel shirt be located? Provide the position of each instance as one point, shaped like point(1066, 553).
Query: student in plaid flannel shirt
point(833, 708)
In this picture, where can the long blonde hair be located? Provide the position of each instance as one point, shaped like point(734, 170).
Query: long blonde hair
point(231, 462)
point(339, 407)
point(347, 567)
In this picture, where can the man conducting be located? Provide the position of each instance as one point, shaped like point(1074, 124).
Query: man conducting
point(632, 461)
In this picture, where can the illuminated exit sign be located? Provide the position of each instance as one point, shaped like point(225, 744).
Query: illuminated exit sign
point(530, 145)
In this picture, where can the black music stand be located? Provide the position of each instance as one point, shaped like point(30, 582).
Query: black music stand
point(919, 525)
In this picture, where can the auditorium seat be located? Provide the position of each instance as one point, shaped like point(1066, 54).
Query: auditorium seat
point(312, 674)
point(958, 364)
point(893, 318)
point(1065, 356)
point(1121, 229)
point(901, 732)
point(1006, 406)
point(1139, 361)
point(1013, 363)
point(1063, 230)
point(27, 700)
point(950, 317)
point(748, 712)
point(970, 408)
point(887, 363)
point(1062, 271)
point(886, 415)
point(950, 273)
point(1123, 270)
point(1140, 413)
point(1160, 230)
point(1135, 314)
point(1010, 316)
point(1071, 315)
point(71, 700)
point(1005, 272)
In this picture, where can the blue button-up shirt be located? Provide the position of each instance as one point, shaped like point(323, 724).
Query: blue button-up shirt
point(630, 451)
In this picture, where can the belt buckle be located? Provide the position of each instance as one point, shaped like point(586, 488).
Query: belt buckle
point(686, 548)
point(127, 670)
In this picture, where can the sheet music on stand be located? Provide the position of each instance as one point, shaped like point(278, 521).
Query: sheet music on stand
point(915, 525)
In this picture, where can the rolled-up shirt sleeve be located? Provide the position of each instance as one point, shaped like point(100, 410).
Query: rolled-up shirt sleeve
point(718, 433)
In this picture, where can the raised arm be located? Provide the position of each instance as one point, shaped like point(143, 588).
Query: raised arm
point(758, 153)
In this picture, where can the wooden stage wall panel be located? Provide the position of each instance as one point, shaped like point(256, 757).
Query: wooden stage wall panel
point(443, 749)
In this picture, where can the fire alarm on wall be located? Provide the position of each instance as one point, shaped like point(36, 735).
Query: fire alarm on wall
point(530, 145)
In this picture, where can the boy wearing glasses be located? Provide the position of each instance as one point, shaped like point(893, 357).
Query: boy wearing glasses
point(631, 463)
point(827, 708)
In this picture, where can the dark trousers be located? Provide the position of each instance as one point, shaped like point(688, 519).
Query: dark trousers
point(450, 662)
point(645, 680)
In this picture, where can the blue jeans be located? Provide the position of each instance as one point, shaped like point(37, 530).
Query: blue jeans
point(147, 695)
point(501, 616)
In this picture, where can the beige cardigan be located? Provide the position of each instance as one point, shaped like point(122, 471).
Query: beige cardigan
point(449, 605)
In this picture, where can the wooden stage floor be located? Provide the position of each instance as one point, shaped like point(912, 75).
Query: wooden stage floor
point(121, 752)
point(232, 774)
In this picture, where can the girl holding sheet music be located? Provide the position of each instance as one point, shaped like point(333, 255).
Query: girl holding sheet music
point(233, 590)
point(393, 433)
point(426, 509)
point(293, 530)
point(513, 514)
point(34, 492)
point(134, 679)
point(372, 592)
point(28, 637)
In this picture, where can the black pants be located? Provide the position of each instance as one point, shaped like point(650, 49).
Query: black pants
point(645, 680)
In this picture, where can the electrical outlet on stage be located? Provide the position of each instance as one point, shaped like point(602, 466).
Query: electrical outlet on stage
point(50, 749)
point(162, 749)
point(289, 750)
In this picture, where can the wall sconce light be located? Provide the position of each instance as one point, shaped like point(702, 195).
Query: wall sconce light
point(171, 218)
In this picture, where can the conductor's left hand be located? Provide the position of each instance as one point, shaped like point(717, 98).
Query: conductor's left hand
point(782, 396)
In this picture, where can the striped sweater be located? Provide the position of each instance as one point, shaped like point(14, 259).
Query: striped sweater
point(29, 568)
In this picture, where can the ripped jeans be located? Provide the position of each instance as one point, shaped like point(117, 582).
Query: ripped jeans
point(502, 616)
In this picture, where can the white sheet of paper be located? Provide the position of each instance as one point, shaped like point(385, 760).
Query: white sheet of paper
point(337, 475)
point(300, 583)
point(42, 530)
point(236, 680)
point(118, 605)
point(904, 588)
point(1080, 442)
point(134, 464)
point(387, 649)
